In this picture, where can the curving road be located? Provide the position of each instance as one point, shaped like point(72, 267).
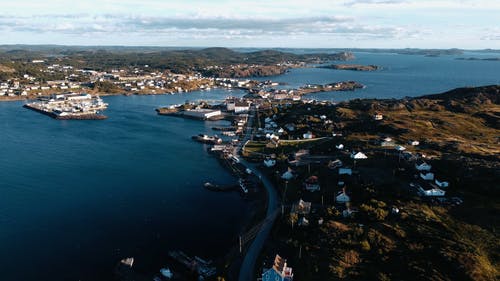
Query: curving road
point(248, 264)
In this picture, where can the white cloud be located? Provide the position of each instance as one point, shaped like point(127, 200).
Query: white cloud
point(396, 22)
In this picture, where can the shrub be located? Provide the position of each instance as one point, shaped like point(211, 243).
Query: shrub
point(365, 246)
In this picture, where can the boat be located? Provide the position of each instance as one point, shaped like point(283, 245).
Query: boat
point(207, 139)
point(166, 272)
point(243, 186)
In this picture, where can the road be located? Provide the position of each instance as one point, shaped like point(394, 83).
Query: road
point(248, 264)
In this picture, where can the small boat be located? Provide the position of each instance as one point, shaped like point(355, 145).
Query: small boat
point(207, 139)
point(243, 186)
point(166, 272)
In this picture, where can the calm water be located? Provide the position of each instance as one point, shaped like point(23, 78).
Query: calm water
point(77, 196)
point(400, 76)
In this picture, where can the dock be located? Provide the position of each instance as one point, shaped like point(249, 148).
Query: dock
point(196, 264)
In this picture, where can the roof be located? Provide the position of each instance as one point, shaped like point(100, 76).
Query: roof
point(280, 267)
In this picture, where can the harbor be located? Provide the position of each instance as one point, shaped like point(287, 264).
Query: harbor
point(70, 106)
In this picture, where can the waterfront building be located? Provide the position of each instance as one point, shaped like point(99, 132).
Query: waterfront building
point(279, 272)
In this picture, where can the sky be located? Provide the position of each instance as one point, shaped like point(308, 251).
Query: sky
point(467, 24)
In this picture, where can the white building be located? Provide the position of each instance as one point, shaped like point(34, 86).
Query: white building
point(431, 192)
point(414, 142)
point(308, 135)
point(358, 155)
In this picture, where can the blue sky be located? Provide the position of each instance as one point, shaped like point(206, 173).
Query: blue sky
point(470, 24)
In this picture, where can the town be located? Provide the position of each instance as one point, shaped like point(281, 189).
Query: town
point(335, 172)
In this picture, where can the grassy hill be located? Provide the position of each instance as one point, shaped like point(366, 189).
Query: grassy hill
point(426, 240)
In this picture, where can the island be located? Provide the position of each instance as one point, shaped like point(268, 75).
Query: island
point(481, 59)
point(356, 67)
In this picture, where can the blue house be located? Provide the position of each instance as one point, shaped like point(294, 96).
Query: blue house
point(279, 272)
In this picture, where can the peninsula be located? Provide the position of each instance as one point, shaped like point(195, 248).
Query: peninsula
point(364, 180)
point(367, 180)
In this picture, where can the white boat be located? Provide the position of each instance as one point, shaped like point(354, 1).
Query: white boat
point(166, 272)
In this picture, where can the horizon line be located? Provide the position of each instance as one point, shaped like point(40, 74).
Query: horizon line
point(250, 47)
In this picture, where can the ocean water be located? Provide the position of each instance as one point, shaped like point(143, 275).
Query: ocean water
point(77, 196)
point(400, 76)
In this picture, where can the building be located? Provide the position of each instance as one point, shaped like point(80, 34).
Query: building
point(431, 192)
point(427, 176)
point(308, 135)
point(413, 142)
point(288, 175)
point(378, 117)
point(441, 183)
point(311, 184)
point(241, 107)
point(269, 162)
point(345, 171)
point(202, 113)
point(335, 164)
point(422, 166)
point(302, 207)
point(279, 272)
point(342, 197)
point(358, 155)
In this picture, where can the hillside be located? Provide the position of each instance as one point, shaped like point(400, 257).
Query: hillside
point(449, 238)
point(464, 120)
point(161, 59)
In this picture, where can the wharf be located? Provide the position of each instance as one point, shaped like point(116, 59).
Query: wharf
point(224, 129)
point(73, 116)
point(200, 266)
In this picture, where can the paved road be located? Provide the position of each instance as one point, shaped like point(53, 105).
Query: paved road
point(248, 264)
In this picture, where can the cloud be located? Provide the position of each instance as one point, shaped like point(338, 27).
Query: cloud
point(205, 26)
point(375, 2)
